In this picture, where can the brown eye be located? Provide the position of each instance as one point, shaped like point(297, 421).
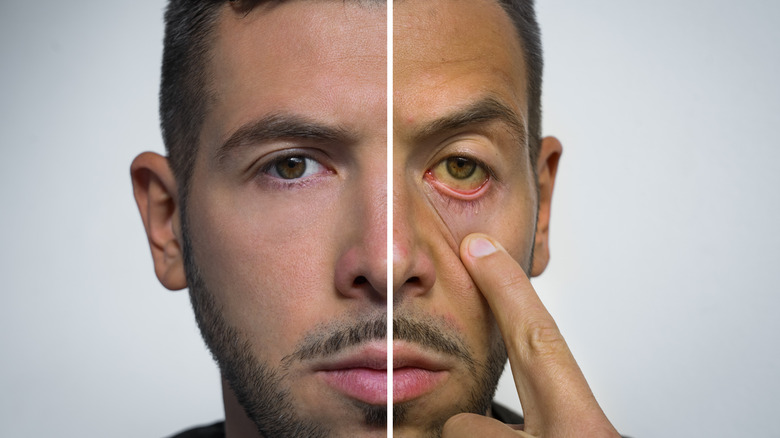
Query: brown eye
point(460, 173)
point(461, 168)
point(291, 167)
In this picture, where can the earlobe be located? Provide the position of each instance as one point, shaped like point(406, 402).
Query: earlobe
point(546, 168)
point(154, 187)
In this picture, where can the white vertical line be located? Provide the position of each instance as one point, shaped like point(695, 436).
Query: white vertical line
point(389, 218)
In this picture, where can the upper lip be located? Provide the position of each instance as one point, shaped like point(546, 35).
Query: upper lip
point(373, 355)
point(409, 355)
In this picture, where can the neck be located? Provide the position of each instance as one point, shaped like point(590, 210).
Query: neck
point(237, 423)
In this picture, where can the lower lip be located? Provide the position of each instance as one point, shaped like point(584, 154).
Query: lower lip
point(410, 383)
point(365, 384)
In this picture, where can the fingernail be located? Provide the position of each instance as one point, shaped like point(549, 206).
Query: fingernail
point(480, 247)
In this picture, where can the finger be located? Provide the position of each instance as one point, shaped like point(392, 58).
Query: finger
point(473, 425)
point(548, 379)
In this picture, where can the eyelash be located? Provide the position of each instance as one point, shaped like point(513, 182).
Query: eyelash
point(489, 170)
point(459, 205)
point(265, 171)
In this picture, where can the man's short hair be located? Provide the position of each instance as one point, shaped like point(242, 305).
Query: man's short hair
point(523, 16)
point(189, 26)
point(184, 91)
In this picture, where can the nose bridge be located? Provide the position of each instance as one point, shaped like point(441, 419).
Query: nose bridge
point(403, 217)
point(374, 218)
point(361, 270)
point(412, 264)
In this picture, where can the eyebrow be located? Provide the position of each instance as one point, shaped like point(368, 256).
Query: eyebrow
point(482, 111)
point(282, 126)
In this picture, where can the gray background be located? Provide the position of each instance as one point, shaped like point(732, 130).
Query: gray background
point(664, 246)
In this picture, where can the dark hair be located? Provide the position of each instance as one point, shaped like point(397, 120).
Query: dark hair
point(523, 16)
point(184, 88)
point(184, 94)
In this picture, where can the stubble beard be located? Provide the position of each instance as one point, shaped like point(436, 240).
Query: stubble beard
point(260, 388)
point(435, 335)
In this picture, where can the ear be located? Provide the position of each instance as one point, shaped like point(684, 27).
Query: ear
point(154, 187)
point(546, 168)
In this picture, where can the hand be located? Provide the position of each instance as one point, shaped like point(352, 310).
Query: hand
point(556, 399)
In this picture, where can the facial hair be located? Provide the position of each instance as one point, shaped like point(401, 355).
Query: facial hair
point(435, 334)
point(259, 387)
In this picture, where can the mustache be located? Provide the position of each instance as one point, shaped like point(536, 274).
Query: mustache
point(435, 335)
point(327, 341)
point(430, 333)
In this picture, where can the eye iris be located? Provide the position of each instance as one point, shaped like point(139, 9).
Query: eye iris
point(291, 167)
point(460, 173)
point(461, 168)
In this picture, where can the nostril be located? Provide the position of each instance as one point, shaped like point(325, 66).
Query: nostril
point(413, 280)
point(361, 280)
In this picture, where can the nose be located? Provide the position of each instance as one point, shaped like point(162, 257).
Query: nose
point(413, 269)
point(361, 269)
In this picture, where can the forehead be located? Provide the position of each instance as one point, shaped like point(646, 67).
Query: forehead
point(448, 52)
point(318, 59)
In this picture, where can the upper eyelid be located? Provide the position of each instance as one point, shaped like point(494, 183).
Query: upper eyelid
point(276, 158)
point(270, 167)
point(481, 163)
point(452, 146)
point(271, 159)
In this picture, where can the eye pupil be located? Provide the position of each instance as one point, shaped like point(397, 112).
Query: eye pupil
point(291, 167)
point(460, 167)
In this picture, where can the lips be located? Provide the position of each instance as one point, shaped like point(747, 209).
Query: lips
point(416, 372)
point(361, 373)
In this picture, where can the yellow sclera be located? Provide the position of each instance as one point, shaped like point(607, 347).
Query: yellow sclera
point(460, 173)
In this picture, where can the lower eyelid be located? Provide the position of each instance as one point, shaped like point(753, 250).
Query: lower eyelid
point(455, 193)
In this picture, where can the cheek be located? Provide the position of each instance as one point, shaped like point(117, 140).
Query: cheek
point(507, 213)
point(259, 260)
point(461, 305)
point(511, 220)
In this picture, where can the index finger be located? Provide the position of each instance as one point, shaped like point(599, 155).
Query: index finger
point(548, 380)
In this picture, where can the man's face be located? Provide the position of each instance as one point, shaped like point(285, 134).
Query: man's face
point(285, 223)
point(461, 165)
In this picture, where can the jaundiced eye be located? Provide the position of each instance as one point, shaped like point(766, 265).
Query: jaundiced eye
point(461, 174)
